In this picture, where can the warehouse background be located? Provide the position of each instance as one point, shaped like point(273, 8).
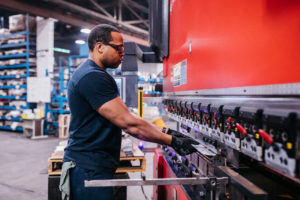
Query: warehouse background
point(41, 44)
point(223, 73)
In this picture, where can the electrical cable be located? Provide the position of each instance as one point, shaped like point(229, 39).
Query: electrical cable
point(142, 188)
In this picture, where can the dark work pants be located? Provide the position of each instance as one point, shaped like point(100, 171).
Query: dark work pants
point(79, 192)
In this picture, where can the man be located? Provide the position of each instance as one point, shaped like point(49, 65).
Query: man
point(97, 116)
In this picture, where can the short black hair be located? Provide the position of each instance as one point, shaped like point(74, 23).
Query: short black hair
point(101, 33)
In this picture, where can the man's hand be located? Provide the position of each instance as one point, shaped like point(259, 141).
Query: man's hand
point(173, 132)
point(183, 145)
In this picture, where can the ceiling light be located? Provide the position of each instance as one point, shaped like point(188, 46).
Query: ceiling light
point(61, 50)
point(85, 30)
point(80, 42)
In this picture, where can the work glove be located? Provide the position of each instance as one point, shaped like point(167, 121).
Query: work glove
point(173, 133)
point(183, 145)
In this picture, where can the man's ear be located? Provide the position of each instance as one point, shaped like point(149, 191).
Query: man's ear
point(99, 47)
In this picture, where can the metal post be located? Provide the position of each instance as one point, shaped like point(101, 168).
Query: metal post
point(27, 49)
point(2, 22)
point(61, 85)
point(140, 102)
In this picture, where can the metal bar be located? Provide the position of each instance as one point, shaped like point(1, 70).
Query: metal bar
point(134, 22)
point(27, 45)
point(20, 129)
point(98, 15)
point(4, 46)
point(27, 50)
point(101, 8)
point(2, 22)
point(13, 97)
point(12, 86)
point(74, 19)
point(155, 181)
point(14, 55)
point(136, 14)
point(13, 107)
point(120, 17)
point(61, 89)
point(23, 65)
point(12, 76)
point(247, 187)
point(138, 6)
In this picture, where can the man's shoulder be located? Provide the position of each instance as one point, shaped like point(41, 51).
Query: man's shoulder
point(87, 72)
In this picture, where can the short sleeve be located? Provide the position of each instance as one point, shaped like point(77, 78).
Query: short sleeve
point(97, 88)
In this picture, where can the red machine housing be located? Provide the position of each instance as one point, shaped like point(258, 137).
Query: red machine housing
point(162, 170)
point(233, 43)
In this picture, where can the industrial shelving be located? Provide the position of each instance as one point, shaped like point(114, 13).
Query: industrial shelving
point(74, 61)
point(148, 85)
point(150, 80)
point(57, 106)
point(16, 52)
point(60, 80)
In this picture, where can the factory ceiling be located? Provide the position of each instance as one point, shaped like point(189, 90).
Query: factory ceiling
point(130, 16)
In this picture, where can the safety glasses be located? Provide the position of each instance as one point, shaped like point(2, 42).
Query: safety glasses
point(118, 48)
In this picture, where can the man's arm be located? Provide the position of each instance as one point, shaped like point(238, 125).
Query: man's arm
point(117, 112)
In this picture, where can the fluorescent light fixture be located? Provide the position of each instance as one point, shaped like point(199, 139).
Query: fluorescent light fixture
point(61, 50)
point(80, 42)
point(85, 30)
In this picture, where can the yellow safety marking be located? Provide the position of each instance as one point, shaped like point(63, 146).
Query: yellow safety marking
point(159, 122)
point(257, 136)
point(140, 103)
point(289, 145)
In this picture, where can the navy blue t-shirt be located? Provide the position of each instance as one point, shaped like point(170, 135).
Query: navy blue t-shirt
point(94, 142)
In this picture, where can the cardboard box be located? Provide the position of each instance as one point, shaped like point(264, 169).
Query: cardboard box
point(18, 23)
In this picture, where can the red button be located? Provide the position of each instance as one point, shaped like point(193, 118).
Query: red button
point(241, 129)
point(266, 136)
point(229, 120)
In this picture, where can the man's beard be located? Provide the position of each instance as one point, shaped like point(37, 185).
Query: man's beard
point(111, 65)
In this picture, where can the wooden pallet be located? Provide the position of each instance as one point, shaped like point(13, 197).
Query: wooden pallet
point(55, 163)
point(63, 126)
point(127, 163)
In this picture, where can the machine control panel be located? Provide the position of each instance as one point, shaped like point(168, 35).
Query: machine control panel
point(231, 132)
point(250, 123)
point(265, 134)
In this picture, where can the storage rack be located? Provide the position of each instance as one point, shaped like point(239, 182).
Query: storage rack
point(16, 51)
point(58, 99)
point(148, 85)
point(74, 61)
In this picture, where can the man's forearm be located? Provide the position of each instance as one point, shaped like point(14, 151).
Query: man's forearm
point(146, 131)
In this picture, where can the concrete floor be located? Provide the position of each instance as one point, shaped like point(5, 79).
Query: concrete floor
point(24, 168)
